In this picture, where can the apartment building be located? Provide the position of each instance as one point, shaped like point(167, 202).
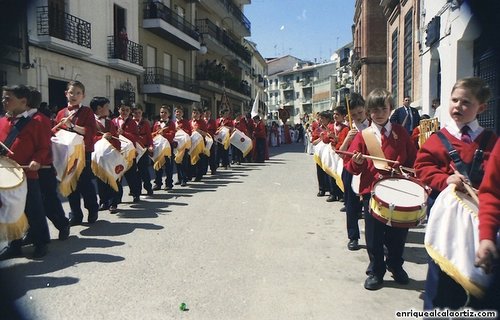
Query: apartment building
point(404, 43)
point(51, 42)
point(171, 41)
point(224, 62)
point(369, 59)
point(256, 78)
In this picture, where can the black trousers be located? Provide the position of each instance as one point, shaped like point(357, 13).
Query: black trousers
point(133, 182)
point(323, 179)
point(38, 229)
point(222, 155)
point(183, 168)
point(212, 160)
point(106, 193)
point(85, 189)
point(260, 152)
point(378, 234)
point(237, 155)
point(143, 170)
point(51, 203)
point(353, 206)
point(168, 168)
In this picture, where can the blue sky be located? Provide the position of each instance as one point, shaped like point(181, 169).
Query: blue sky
point(306, 29)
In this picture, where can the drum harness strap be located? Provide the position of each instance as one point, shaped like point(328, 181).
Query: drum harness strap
point(474, 170)
point(14, 132)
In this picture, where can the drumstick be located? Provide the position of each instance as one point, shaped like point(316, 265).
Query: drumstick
point(6, 148)
point(365, 156)
point(62, 122)
point(467, 185)
point(100, 132)
point(23, 167)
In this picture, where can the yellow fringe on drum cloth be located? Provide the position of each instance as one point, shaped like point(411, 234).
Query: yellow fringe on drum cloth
point(104, 175)
point(195, 151)
point(15, 230)
point(73, 172)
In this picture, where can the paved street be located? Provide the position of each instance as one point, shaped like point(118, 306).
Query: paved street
point(253, 242)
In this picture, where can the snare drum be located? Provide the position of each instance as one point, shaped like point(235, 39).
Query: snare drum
point(68, 150)
point(13, 191)
point(452, 240)
point(399, 201)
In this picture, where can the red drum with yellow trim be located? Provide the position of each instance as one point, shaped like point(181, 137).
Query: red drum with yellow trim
point(399, 201)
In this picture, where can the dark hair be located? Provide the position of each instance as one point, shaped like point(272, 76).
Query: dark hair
point(35, 99)
point(166, 107)
point(356, 100)
point(341, 110)
point(75, 83)
point(378, 98)
point(98, 101)
point(20, 91)
point(425, 116)
point(477, 87)
point(326, 114)
point(196, 109)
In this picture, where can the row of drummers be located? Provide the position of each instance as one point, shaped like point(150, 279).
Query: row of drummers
point(128, 144)
point(39, 157)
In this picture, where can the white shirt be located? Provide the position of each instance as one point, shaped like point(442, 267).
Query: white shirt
point(362, 125)
point(376, 130)
point(474, 132)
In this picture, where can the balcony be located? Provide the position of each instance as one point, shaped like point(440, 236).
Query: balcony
point(286, 86)
point(164, 22)
point(307, 100)
point(226, 8)
point(63, 32)
point(306, 82)
point(166, 82)
point(211, 32)
point(356, 60)
point(217, 73)
point(125, 54)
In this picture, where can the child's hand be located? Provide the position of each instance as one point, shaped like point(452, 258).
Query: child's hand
point(457, 179)
point(358, 158)
point(485, 255)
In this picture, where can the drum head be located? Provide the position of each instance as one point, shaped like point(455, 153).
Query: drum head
point(11, 176)
point(400, 191)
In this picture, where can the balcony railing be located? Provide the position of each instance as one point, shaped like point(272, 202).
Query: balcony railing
point(236, 12)
point(205, 26)
point(156, 75)
point(356, 59)
point(219, 74)
point(124, 49)
point(59, 24)
point(157, 10)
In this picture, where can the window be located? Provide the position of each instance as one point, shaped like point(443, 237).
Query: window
point(408, 54)
point(394, 64)
point(167, 61)
point(150, 56)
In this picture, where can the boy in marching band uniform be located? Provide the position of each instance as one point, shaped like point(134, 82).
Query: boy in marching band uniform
point(128, 128)
point(166, 127)
point(183, 172)
point(106, 129)
point(28, 143)
point(395, 144)
point(240, 124)
point(146, 141)
point(47, 176)
point(80, 119)
point(198, 124)
point(211, 129)
point(353, 205)
point(223, 154)
point(337, 132)
point(435, 168)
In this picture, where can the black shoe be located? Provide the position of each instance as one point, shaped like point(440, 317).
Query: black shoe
point(12, 251)
point(353, 245)
point(75, 219)
point(103, 206)
point(177, 183)
point(113, 209)
point(183, 184)
point(320, 194)
point(343, 209)
point(168, 188)
point(197, 179)
point(373, 282)
point(399, 275)
point(64, 233)
point(93, 216)
point(136, 199)
point(40, 251)
point(150, 192)
point(331, 199)
point(26, 241)
point(213, 172)
point(156, 187)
